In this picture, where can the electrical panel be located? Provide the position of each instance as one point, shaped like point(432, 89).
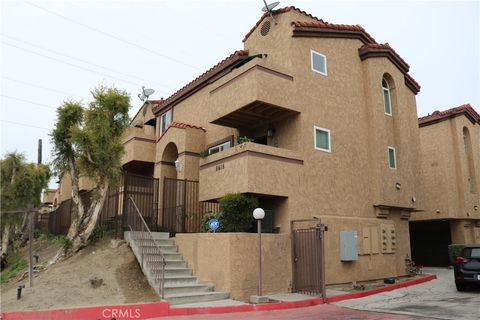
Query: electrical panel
point(348, 245)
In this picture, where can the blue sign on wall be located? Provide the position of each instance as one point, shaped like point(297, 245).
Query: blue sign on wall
point(213, 224)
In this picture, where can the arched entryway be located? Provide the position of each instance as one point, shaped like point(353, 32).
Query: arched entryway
point(169, 156)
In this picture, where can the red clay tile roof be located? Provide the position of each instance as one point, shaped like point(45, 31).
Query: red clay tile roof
point(157, 102)
point(411, 83)
point(437, 116)
point(222, 66)
point(275, 12)
point(322, 25)
point(201, 80)
point(180, 125)
point(377, 49)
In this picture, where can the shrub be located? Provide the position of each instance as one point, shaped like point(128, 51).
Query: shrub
point(209, 216)
point(43, 234)
point(15, 264)
point(66, 243)
point(454, 251)
point(237, 212)
point(98, 232)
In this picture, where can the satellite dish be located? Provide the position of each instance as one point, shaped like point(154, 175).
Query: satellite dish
point(145, 93)
point(270, 7)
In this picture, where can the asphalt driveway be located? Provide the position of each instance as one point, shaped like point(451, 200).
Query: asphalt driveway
point(435, 299)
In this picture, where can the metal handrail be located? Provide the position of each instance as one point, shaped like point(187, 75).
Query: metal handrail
point(150, 236)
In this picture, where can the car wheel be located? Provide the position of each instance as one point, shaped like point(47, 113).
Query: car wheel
point(460, 286)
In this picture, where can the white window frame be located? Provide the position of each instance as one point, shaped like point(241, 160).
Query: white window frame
point(168, 121)
point(221, 147)
point(315, 128)
point(312, 52)
point(394, 158)
point(389, 98)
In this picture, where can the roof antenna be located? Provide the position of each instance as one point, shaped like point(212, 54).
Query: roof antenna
point(269, 7)
point(145, 93)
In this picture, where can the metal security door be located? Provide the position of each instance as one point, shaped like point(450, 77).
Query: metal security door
point(308, 258)
point(182, 211)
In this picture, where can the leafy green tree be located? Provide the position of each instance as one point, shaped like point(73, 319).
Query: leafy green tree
point(87, 142)
point(21, 185)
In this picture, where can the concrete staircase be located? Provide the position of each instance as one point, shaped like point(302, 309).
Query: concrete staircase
point(181, 287)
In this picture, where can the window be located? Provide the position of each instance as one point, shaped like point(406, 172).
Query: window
point(387, 101)
point(219, 147)
point(319, 62)
point(392, 159)
point(322, 139)
point(165, 120)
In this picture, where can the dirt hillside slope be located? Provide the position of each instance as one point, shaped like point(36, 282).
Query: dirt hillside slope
point(67, 284)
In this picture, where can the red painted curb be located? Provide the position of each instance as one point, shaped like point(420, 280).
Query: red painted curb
point(159, 309)
point(119, 312)
point(366, 293)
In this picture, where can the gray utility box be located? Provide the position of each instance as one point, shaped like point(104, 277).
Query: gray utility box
point(348, 245)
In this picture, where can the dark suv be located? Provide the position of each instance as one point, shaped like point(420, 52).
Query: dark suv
point(467, 267)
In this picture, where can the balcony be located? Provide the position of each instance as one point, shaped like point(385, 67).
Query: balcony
point(252, 94)
point(249, 168)
point(139, 144)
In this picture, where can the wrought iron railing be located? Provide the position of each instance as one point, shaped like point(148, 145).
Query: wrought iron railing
point(142, 234)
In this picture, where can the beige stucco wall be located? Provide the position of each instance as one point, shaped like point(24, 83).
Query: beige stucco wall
point(342, 186)
point(139, 144)
point(230, 261)
point(444, 172)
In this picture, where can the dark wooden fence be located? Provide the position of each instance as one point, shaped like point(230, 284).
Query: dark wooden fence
point(60, 219)
point(181, 210)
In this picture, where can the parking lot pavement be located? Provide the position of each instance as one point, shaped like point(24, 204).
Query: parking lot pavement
point(437, 299)
point(319, 312)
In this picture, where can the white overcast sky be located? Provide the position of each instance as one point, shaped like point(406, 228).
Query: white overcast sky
point(57, 50)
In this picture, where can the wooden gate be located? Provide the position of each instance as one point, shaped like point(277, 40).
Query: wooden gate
point(181, 210)
point(308, 257)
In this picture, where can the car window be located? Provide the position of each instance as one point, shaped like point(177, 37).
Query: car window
point(472, 253)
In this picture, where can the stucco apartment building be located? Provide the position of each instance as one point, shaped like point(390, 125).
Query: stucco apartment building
point(450, 171)
point(331, 120)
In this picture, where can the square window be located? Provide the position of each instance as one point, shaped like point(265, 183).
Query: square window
point(322, 139)
point(319, 62)
point(392, 160)
point(220, 147)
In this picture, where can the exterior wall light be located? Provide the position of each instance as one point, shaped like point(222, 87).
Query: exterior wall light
point(178, 165)
point(259, 214)
point(270, 132)
point(475, 207)
point(398, 185)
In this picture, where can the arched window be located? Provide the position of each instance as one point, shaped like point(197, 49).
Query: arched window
point(387, 101)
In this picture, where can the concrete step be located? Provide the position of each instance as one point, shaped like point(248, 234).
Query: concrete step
point(163, 248)
point(169, 256)
point(159, 242)
point(171, 272)
point(146, 235)
point(161, 235)
point(214, 303)
point(196, 297)
point(169, 263)
point(178, 280)
point(186, 288)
